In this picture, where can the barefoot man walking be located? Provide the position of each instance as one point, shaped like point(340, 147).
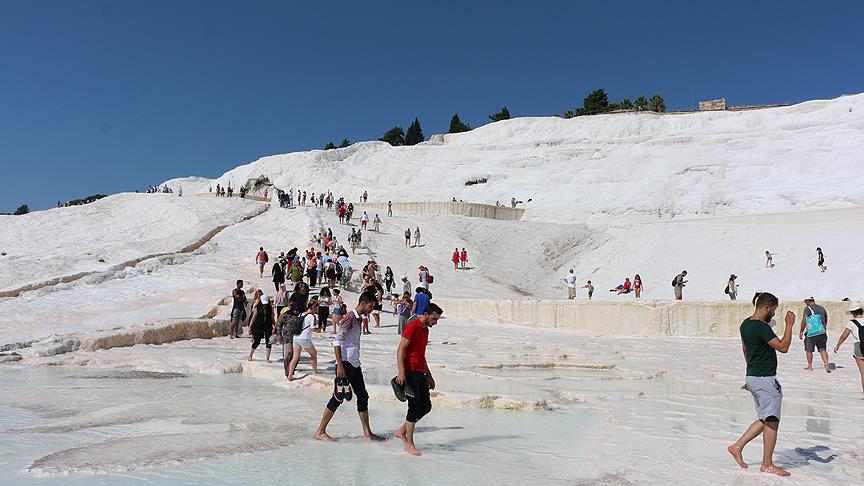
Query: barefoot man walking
point(414, 372)
point(760, 346)
point(346, 345)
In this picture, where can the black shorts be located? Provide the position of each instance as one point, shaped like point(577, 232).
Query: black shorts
point(421, 404)
point(259, 334)
point(818, 342)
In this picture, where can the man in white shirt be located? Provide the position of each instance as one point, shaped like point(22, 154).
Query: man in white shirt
point(570, 279)
point(346, 345)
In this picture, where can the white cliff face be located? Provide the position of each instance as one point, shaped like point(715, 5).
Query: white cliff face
point(607, 169)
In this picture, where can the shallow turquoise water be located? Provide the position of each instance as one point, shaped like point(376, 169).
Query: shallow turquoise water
point(80, 426)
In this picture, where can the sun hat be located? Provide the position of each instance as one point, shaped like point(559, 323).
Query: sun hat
point(854, 306)
point(264, 299)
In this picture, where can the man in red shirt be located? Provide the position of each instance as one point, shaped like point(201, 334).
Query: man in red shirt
point(414, 372)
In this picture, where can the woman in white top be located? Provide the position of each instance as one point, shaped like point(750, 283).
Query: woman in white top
point(304, 339)
point(852, 327)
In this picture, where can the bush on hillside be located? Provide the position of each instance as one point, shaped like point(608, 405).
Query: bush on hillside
point(22, 209)
point(258, 184)
point(395, 136)
point(345, 143)
point(87, 200)
point(472, 182)
point(597, 102)
point(657, 103)
point(329, 146)
point(504, 114)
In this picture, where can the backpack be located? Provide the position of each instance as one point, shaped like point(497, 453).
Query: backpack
point(727, 289)
point(860, 331)
point(429, 278)
point(814, 324)
point(675, 281)
point(297, 325)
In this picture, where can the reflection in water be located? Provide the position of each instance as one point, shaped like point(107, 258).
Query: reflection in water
point(818, 421)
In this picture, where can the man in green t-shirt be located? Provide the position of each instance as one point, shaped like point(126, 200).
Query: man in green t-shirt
point(760, 346)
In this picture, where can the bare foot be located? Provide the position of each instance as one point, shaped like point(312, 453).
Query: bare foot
point(375, 438)
point(323, 436)
point(775, 470)
point(400, 435)
point(809, 368)
point(827, 369)
point(290, 378)
point(736, 454)
point(413, 451)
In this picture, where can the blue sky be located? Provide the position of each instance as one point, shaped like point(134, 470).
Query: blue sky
point(100, 96)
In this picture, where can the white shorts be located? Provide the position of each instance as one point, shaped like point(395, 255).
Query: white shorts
point(304, 343)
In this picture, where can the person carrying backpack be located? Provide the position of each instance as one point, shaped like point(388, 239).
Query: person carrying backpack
point(424, 277)
point(855, 327)
point(302, 334)
point(732, 287)
point(678, 284)
point(815, 324)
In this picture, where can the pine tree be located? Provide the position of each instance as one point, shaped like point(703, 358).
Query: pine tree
point(395, 136)
point(641, 104)
point(345, 143)
point(22, 209)
point(504, 114)
point(626, 104)
point(657, 104)
point(594, 103)
point(415, 134)
point(456, 125)
point(329, 146)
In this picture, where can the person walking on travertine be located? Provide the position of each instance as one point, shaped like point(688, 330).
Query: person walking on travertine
point(855, 327)
point(820, 260)
point(417, 236)
point(349, 373)
point(815, 325)
point(732, 287)
point(769, 259)
point(414, 374)
point(760, 346)
point(678, 284)
point(570, 280)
